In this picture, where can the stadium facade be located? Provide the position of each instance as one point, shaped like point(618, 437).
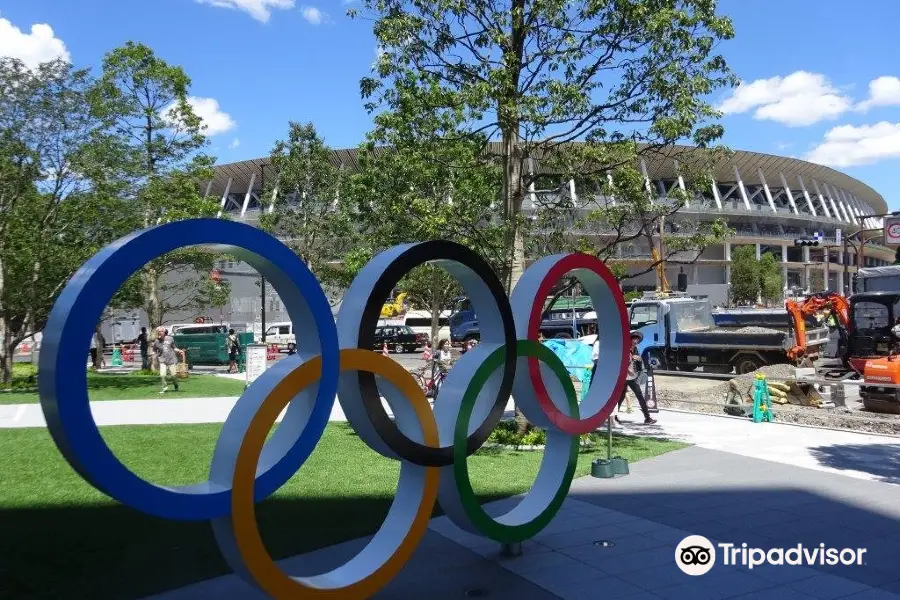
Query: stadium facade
point(769, 201)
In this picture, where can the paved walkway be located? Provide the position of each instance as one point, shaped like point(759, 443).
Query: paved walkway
point(725, 497)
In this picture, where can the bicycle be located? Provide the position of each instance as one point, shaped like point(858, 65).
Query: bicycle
point(430, 377)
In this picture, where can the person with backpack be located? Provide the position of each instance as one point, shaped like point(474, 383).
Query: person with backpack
point(233, 345)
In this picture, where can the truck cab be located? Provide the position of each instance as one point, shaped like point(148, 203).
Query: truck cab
point(659, 319)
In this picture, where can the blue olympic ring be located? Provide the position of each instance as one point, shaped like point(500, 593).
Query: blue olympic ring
point(63, 381)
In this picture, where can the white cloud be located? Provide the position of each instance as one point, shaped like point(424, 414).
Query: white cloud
point(798, 99)
point(883, 91)
point(313, 15)
point(234, 143)
point(260, 10)
point(848, 145)
point(41, 45)
point(216, 120)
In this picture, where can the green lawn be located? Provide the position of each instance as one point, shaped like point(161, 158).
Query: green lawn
point(63, 539)
point(131, 386)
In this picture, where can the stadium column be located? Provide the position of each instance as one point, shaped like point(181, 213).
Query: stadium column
point(806, 267)
point(727, 262)
point(784, 269)
point(840, 273)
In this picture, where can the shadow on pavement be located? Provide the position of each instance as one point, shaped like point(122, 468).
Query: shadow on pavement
point(880, 460)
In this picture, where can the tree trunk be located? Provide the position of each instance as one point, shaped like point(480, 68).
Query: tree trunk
point(435, 320)
point(154, 305)
point(515, 194)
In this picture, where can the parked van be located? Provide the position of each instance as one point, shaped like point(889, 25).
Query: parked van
point(420, 322)
point(281, 334)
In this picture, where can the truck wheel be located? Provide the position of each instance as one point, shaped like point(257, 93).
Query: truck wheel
point(747, 363)
point(471, 337)
point(398, 349)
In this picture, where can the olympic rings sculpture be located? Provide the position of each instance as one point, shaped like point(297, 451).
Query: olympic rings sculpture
point(335, 358)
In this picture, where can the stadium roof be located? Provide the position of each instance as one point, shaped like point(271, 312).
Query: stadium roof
point(659, 165)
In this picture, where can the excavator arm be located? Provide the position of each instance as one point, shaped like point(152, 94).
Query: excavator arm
point(809, 307)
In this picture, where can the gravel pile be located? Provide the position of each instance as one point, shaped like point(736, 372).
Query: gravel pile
point(745, 382)
point(753, 329)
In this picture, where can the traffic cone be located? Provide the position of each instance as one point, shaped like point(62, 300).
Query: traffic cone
point(384, 349)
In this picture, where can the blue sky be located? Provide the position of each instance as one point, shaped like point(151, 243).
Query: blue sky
point(822, 81)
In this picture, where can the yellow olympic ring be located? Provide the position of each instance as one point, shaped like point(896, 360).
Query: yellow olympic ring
point(257, 559)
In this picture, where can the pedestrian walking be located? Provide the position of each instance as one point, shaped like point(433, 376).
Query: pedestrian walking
point(167, 355)
point(234, 348)
point(631, 379)
point(144, 345)
point(94, 341)
point(595, 356)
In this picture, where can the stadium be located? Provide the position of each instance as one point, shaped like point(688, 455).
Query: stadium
point(769, 201)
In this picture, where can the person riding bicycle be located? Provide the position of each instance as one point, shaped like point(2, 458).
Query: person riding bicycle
point(443, 358)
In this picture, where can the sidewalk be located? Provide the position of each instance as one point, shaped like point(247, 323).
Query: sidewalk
point(641, 518)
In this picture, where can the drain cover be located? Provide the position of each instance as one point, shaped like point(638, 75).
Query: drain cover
point(604, 543)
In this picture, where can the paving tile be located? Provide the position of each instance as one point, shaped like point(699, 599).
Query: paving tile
point(657, 578)
point(535, 562)
point(641, 526)
point(633, 561)
point(871, 594)
point(553, 578)
point(778, 593)
point(729, 582)
point(780, 574)
point(827, 587)
point(591, 553)
point(608, 588)
point(579, 537)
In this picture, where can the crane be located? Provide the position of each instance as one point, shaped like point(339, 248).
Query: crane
point(660, 270)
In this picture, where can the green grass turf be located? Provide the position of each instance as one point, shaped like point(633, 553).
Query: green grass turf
point(130, 386)
point(63, 539)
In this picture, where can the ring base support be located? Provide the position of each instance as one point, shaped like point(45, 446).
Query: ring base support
point(511, 549)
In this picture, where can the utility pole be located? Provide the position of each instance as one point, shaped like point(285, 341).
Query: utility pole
point(262, 279)
point(262, 306)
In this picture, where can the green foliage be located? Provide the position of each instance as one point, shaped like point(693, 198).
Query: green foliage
point(771, 282)
point(816, 281)
point(633, 295)
point(745, 275)
point(623, 78)
point(159, 166)
point(55, 210)
point(431, 288)
point(310, 216)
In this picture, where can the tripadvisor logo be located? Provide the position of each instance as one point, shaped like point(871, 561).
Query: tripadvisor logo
point(796, 556)
point(696, 555)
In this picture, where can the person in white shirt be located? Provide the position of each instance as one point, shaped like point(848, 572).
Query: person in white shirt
point(595, 356)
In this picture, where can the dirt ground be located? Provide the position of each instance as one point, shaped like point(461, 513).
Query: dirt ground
point(683, 393)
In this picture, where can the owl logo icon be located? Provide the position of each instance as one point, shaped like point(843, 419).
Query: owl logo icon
point(695, 555)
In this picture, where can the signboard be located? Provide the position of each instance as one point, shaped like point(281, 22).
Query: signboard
point(256, 361)
point(837, 236)
point(650, 390)
point(892, 230)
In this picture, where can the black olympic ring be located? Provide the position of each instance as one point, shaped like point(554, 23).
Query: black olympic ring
point(368, 291)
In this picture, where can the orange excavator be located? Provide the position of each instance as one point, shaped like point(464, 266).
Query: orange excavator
point(811, 308)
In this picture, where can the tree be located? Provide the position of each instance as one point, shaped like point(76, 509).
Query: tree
point(433, 289)
point(816, 281)
point(419, 189)
point(54, 210)
point(745, 275)
point(144, 102)
point(623, 77)
point(311, 218)
point(771, 283)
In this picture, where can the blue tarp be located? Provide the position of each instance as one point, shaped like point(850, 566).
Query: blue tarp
point(576, 356)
